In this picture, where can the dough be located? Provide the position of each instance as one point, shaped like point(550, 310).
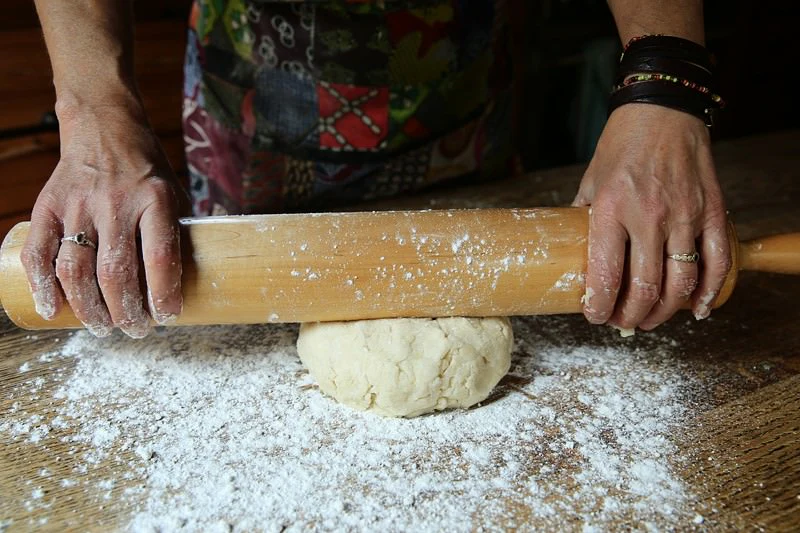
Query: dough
point(407, 366)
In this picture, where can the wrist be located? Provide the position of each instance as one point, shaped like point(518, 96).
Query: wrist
point(116, 99)
point(633, 113)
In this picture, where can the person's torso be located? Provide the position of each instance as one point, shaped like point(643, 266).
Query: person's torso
point(347, 81)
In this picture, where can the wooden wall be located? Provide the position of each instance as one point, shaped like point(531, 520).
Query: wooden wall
point(26, 94)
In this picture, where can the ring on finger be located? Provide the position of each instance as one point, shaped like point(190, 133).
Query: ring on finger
point(80, 239)
point(691, 257)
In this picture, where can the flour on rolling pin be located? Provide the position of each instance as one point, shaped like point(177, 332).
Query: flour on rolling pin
point(424, 266)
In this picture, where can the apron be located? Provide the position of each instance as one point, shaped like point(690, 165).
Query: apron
point(308, 105)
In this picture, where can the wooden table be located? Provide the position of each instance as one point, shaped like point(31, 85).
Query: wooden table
point(743, 441)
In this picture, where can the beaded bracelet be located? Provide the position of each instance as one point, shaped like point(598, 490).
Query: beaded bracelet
point(639, 78)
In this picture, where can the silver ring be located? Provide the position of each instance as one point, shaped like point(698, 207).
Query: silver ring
point(692, 257)
point(80, 239)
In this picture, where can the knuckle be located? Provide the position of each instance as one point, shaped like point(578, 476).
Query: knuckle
point(71, 270)
point(117, 198)
point(159, 191)
point(47, 203)
point(115, 271)
point(684, 286)
point(609, 280)
point(644, 291)
point(31, 257)
point(161, 255)
point(714, 205)
point(721, 264)
point(726, 264)
point(715, 217)
point(604, 209)
point(655, 211)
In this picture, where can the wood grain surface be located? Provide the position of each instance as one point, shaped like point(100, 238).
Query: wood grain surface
point(740, 451)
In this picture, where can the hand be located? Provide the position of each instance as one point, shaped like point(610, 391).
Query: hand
point(653, 192)
point(113, 183)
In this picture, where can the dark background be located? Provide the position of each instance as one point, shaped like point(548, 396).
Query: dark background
point(754, 43)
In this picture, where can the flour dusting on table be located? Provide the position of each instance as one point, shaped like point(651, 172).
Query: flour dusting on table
point(221, 429)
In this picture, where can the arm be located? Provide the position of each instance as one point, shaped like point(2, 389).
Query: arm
point(653, 191)
point(91, 51)
point(680, 18)
point(112, 182)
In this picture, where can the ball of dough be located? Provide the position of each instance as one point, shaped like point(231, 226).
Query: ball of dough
point(407, 366)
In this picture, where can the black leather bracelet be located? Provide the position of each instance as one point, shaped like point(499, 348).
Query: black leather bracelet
point(669, 46)
point(668, 71)
point(665, 94)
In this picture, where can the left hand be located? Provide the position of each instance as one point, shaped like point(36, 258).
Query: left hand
point(653, 192)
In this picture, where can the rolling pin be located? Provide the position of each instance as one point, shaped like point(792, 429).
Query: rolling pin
point(348, 266)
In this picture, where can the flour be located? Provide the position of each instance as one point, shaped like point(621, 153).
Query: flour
point(221, 429)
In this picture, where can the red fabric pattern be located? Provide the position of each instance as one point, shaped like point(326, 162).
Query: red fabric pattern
point(352, 118)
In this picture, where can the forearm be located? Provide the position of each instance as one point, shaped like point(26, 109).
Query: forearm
point(90, 43)
point(679, 18)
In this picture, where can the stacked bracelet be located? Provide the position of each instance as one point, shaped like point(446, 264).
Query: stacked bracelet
point(667, 71)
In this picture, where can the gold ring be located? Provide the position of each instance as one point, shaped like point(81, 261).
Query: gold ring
point(692, 257)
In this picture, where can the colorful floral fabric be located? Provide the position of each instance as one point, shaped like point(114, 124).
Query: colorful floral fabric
point(304, 105)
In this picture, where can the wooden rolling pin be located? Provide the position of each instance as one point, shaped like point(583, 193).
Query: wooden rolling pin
point(347, 266)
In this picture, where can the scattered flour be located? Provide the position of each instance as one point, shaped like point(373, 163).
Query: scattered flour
point(221, 428)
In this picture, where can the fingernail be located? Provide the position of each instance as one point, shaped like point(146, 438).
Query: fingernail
point(703, 308)
point(624, 332)
point(137, 329)
point(136, 332)
point(594, 318)
point(165, 319)
point(99, 331)
point(162, 319)
point(45, 309)
point(44, 306)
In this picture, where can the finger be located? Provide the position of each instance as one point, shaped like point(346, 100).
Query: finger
point(715, 262)
point(162, 262)
point(76, 268)
point(38, 257)
point(607, 241)
point(580, 200)
point(643, 283)
point(680, 279)
point(118, 277)
point(585, 192)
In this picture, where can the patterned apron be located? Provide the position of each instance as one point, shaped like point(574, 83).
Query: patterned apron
point(308, 105)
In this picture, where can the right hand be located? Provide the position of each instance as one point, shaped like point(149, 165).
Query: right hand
point(114, 183)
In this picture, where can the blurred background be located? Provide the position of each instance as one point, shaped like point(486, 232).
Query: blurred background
point(572, 49)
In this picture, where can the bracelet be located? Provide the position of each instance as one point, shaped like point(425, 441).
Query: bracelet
point(668, 46)
point(639, 78)
point(668, 71)
point(660, 64)
point(665, 94)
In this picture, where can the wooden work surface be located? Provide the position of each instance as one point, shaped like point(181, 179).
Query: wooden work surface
point(742, 440)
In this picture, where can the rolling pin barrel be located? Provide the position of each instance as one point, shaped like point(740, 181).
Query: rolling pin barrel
point(352, 266)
